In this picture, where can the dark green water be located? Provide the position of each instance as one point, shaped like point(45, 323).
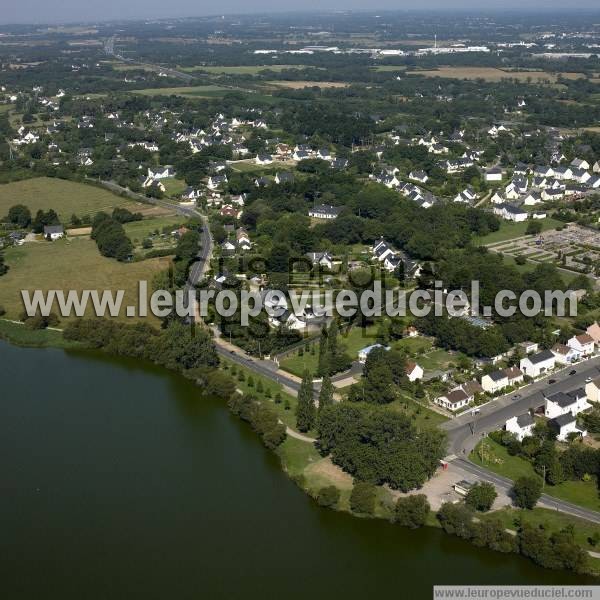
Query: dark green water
point(120, 481)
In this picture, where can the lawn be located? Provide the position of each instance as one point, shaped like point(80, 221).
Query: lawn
point(496, 458)
point(20, 335)
point(71, 264)
point(353, 341)
point(414, 346)
point(509, 231)
point(137, 231)
point(197, 91)
point(65, 197)
point(437, 360)
point(421, 415)
point(174, 186)
point(551, 521)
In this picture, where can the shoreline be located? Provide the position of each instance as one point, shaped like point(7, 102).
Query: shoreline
point(298, 457)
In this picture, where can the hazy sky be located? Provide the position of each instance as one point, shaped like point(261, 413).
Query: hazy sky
point(52, 11)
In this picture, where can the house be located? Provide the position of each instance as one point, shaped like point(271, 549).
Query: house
point(562, 173)
point(263, 159)
point(538, 364)
point(594, 181)
point(494, 382)
point(577, 163)
point(532, 198)
point(510, 212)
point(322, 259)
point(161, 172)
point(543, 171)
point(594, 331)
point(528, 347)
point(191, 194)
point(300, 155)
point(564, 425)
point(467, 196)
point(584, 344)
point(227, 247)
point(362, 354)
point(514, 375)
point(325, 211)
point(284, 178)
point(229, 211)
point(420, 176)
point(454, 399)
point(581, 176)
point(592, 390)
point(216, 181)
point(561, 403)
point(339, 163)
point(493, 174)
point(521, 426)
point(262, 181)
point(53, 232)
point(414, 371)
point(411, 332)
point(551, 194)
point(565, 355)
point(323, 154)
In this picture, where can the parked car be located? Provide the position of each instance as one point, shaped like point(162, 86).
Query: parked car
point(551, 381)
point(516, 396)
point(572, 372)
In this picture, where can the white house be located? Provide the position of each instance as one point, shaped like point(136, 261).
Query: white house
point(584, 344)
point(592, 390)
point(532, 198)
point(562, 403)
point(324, 211)
point(414, 371)
point(454, 400)
point(54, 232)
point(565, 425)
point(263, 159)
point(578, 163)
point(521, 426)
point(493, 174)
point(322, 259)
point(494, 382)
point(419, 176)
point(538, 364)
point(564, 354)
point(161, 172)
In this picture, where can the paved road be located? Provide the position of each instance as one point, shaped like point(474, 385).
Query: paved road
point(465, 431)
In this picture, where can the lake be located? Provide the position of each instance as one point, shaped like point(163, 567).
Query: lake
point(120, 480)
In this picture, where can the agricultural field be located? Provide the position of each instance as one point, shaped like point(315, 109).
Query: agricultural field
point(65, 197)
point(492, 74)
point(70, 264)
point(197, 91)
point(511, 230)
point(299, 85)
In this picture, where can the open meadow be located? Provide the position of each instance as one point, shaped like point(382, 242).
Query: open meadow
point(493, 74)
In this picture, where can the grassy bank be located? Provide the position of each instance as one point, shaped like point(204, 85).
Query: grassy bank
point(19, 335)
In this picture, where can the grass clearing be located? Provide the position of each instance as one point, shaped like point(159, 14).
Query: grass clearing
point(65, 197)
point(19, 335)
point(497, 459)
point(508, 231)
point(299, 85)
point(197, 91)
point(71, 264)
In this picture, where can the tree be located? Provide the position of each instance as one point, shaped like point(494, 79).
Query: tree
point(412, 511)
point(456, 519)
point(526, 491)
point(3, 267)
point(326, 393)
point(362, 498)
point(305, 409)
point(481, 496)
point(328, 496)
point(19, 215)
point(533, 227)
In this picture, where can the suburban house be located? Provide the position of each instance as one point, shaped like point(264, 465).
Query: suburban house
point(53, 232)
point(284, 178)
point(561, 403)
point(521, 426)
point(565, 425)
point(454, 400)
point(564, 354)
point(414, 371)
point(592, 390)
point(538, 364)
point(594, 331)
point(510, 212)
point(493, 174)
point(362, 354)
point(161, 172)
point(263, 159)
point(577, 163)
point(420, 176)
point(323, 259)
point(497, 380)
point(584, 344)
point(216, 180)
point(325, 211)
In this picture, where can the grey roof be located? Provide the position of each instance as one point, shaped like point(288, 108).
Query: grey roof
point(541, 357)
point(497, 375)
point(525, 420)
point(563, 420)
point(50, 229)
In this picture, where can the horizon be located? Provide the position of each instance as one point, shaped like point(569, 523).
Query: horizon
point(72, 12)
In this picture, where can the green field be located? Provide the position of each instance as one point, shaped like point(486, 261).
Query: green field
point(20, 335)
point(174, 186)
point(197, 91)
point(508, 231)
point(353, 341)
point(496, 459)
point(70, 264)
point(65, 197)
